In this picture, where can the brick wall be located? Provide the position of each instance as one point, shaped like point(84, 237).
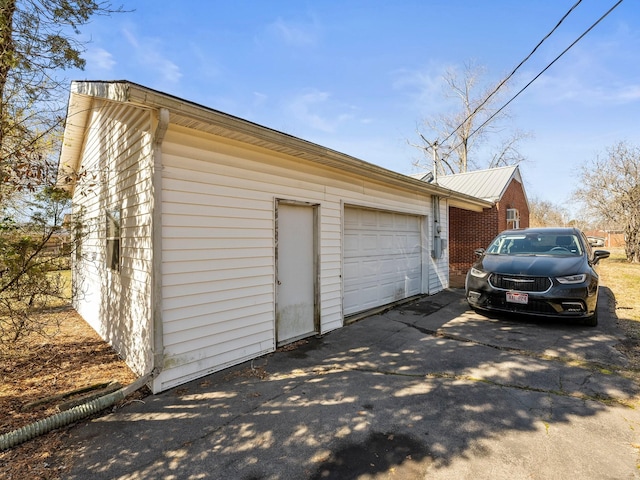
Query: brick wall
point(470, 230)
point(513, 197)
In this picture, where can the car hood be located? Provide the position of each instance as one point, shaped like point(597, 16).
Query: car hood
point(535, 265)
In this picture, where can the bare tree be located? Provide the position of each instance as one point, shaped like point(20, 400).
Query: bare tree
point(506, 152)
point(458, 135)
point(33, 252)
point(38, 40)
point(610, 192)
point(543, 213)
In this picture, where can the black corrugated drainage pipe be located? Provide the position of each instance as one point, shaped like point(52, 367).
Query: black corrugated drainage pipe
point(21, 435)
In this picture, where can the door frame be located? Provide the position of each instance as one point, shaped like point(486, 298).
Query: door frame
point(316, 271)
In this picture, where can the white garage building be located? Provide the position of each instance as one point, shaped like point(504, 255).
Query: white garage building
point(207, 240)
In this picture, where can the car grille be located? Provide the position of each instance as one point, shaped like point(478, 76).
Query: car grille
point(520, 283)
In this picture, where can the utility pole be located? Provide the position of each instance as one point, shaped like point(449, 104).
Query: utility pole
point(434, 148)
point(436, 251)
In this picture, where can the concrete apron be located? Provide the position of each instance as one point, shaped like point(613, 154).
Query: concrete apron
point(426, 390)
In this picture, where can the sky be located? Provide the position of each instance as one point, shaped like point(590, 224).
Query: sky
point(361, 77)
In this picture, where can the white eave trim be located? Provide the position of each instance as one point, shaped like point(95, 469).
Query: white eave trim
point(237, 129)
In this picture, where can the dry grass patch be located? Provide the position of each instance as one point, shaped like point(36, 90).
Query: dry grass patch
point(47, 368)
point(623, 279)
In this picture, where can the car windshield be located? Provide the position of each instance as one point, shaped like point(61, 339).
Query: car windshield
point(535, 244)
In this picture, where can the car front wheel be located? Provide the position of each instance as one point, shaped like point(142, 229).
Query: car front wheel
point(592, 321)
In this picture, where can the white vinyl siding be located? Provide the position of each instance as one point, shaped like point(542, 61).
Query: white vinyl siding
point(115, 172)
point(218, 200)
point(218, 203)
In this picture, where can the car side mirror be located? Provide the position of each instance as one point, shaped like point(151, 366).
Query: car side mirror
point(479, 252)
point(599, 255)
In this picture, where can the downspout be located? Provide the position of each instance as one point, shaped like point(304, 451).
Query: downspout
point(156, 243)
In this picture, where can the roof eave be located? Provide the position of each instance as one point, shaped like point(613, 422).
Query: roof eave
point(83, 92)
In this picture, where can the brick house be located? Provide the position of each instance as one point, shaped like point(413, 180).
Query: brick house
point(470, 230)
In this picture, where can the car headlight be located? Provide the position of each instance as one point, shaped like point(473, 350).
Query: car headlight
point(570, 279)
point(478, 273)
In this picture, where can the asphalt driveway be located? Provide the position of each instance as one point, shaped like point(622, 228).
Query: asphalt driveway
point(426, 390)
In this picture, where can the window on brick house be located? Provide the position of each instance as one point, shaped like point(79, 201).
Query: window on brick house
point(113, 239)
point(513, 218)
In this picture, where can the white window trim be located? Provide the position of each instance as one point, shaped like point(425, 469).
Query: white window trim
point(113, 238)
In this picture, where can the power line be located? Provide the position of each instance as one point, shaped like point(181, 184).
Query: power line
point(546, 68)
point(495, 90)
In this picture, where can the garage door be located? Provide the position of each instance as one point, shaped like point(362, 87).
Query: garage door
point(382, 258)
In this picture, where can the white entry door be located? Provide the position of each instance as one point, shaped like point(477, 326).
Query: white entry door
point(382, 258)
point(296, 272)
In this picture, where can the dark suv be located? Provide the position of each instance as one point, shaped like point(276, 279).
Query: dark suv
point(546, 272)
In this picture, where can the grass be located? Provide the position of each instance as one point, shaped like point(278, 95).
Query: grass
point(623, 279)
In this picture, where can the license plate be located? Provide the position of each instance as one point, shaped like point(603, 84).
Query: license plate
point(516, 297)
